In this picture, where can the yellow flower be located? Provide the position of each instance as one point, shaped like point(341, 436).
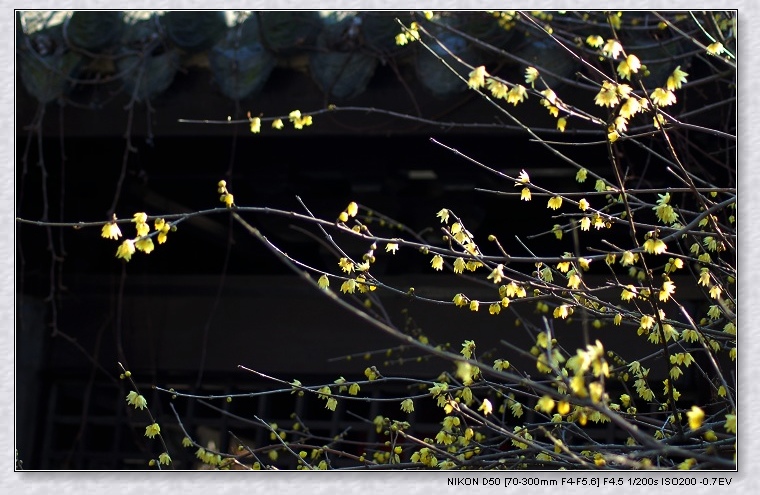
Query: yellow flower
point(655, 246)
point(629, 108)
point(459, 265)
point(474, 305)
point(525, 194)
point(715, 48)
point(228, 200)
point(581, 174)
point(443, 215)
point(164, 459)
point(277, 124)
point(346, 265)
point(664, 211)
point(730, 424)
point(621, 124)
point(352, 209)
point(646, 322)
point(676, 79)
point(141, 225)
point(668, 288)
point(348, 286)
point(407, 405)
point(607, 96)
point(323, 282)
point(630, 65)
point(585, 224)
point(437, 262)
point(696, 417)
point(594, 41)
point(391, 247)
point(561, 123)
point(663, 97)
point(134, 399)
point(497, 88)
point(628, 258)
point(531, 74)
point(497, 274)
point(574, 281)
point(561, 311)
point(111, 231)
point(255, 125)
point(460, 300)
point(152, 430)
point(555, 203)
point(628, 293)
point(583, 204)
point(623, 90)
point(353, 389)
point(517, 94)
point(612, 49)
point(494, 309)
point(545, 404)
point(477, 77)
point(522, 178)
point(144, 244)
point(486, 407)
point(126, 249)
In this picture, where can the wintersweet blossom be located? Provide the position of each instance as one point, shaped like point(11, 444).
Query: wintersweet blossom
point(715, 48)
point(144, 244)
point(629, 108)
point(676, 79)
point(612, 48)
point(517, 94)
point(137, 400)
point(696, 416)
point(555, 203)
point(111, 231)
point(630, 65)
point(152, 430)
point(662, 97)
point(443, 215)
point(126, 249)
point(486, 407)
point(607, 96)
point(477, 77)
point(437, 262)
point(531, 74)
point(497, 88)
point(594, 41)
